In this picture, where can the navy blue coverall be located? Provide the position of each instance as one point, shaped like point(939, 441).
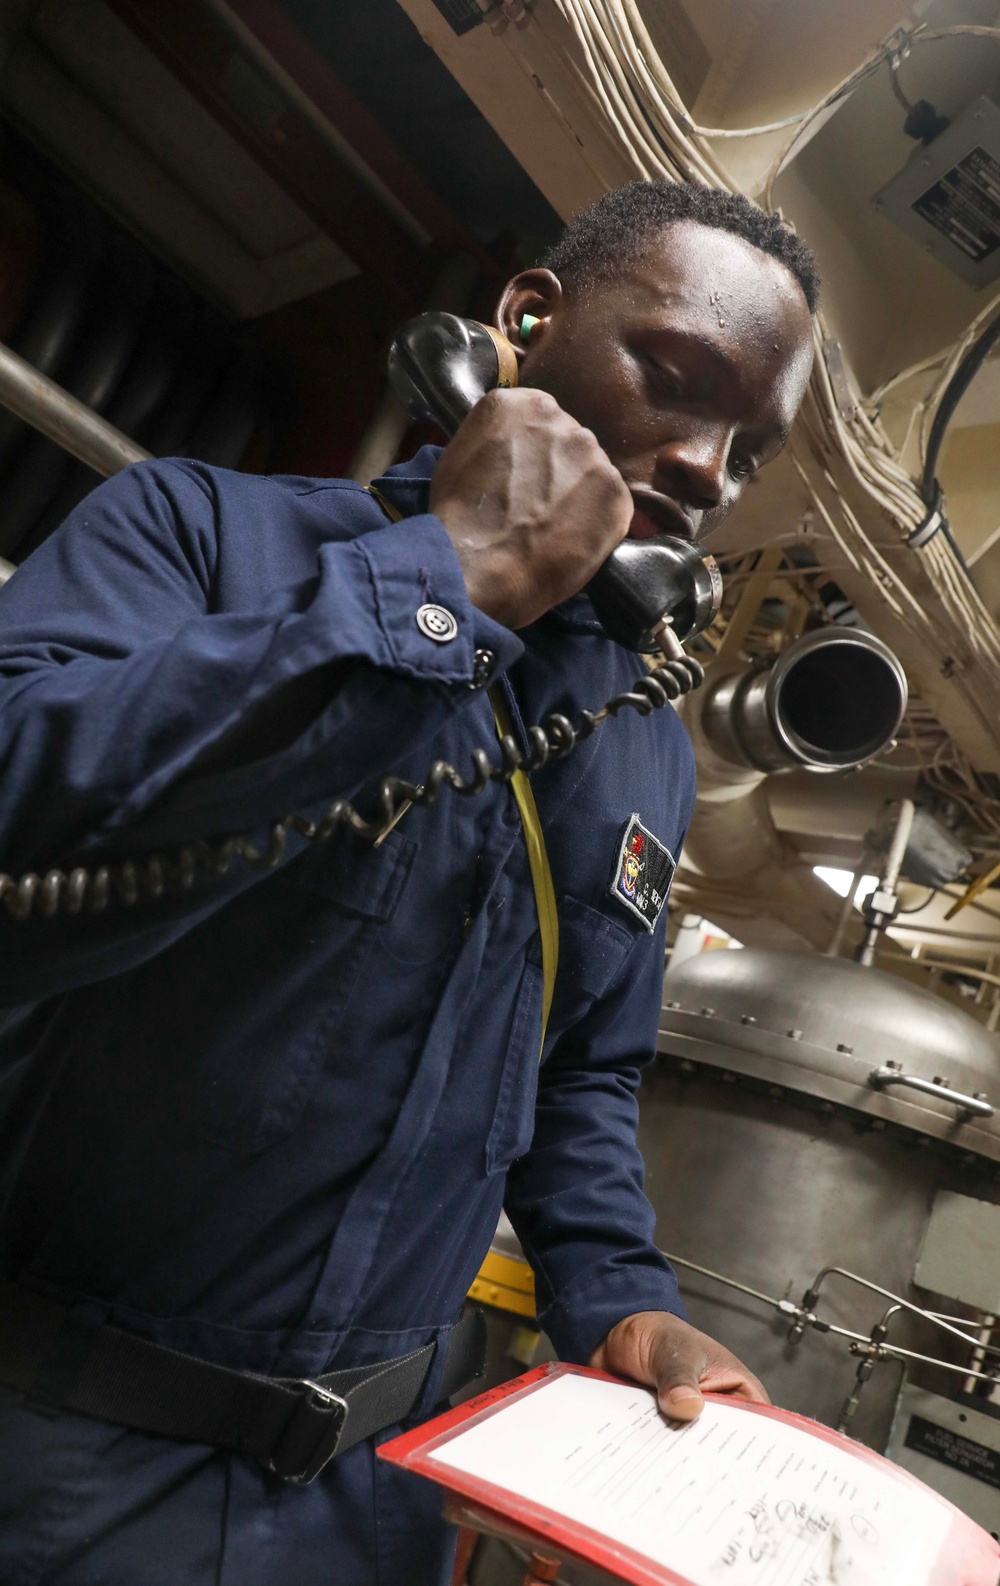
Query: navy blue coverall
point(272, 1122)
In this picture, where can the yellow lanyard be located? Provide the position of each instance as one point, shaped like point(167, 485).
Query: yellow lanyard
point(538, 859)
point(541, 872)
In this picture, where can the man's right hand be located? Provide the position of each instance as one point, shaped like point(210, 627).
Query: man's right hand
point(531, 503)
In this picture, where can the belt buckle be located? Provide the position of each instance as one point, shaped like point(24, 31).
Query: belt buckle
point(316, 1398)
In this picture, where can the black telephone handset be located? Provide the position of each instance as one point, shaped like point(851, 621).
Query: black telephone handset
point(649, 595)
point(439, 367)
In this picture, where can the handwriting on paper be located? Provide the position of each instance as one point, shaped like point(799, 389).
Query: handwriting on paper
point(733, 1497)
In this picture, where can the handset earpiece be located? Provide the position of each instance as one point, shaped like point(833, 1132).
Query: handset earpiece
point(440, 366)
point(649, 594)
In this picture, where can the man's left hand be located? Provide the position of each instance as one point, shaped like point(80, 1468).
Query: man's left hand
point(679, 1362)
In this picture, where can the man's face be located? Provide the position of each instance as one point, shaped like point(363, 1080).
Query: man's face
point(688, 365)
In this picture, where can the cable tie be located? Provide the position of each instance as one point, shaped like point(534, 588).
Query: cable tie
point(925, 531)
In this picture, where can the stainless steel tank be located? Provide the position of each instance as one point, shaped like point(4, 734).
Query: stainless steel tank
point(803, 1113)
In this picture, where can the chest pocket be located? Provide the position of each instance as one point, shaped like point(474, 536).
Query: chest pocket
point(592, 949)
point(363, 880)
point(298, 948)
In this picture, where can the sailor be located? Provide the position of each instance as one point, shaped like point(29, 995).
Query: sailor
point(259, 1131)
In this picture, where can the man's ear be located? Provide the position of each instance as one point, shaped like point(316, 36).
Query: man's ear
point(528, 304)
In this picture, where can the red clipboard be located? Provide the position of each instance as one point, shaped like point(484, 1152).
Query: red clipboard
point(968, 1556)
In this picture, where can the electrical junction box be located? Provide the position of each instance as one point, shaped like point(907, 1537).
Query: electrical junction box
point(947, 196)
point(961, 1252)
point(952, 1447)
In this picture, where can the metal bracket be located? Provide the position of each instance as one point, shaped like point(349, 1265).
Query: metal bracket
point(898, 46)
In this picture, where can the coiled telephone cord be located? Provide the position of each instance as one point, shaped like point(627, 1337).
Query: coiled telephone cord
point(131, 880)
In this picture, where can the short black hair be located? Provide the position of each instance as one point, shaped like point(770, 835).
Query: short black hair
point(595, 242)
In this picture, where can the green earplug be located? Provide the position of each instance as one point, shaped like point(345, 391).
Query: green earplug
point(528, 323)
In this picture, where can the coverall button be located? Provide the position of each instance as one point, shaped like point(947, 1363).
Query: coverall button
point(482, 665)
point(437, 623)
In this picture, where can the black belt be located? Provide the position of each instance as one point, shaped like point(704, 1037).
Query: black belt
point(291, 1425)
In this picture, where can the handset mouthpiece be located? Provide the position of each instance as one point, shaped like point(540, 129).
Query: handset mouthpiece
point(645, 582)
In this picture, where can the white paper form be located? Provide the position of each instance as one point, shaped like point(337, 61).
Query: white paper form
point(732, 1497)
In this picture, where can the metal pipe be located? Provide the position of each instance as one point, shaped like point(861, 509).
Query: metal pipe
point(803, 1319)
point(837, 938)
point(896, 1352)
point(783, 1307)
point(969, 970)
point(897, 848)
point(706, 1272)
point(812, 1294)
point(44, 405)
point(858, 1343)
point(942, 1316)
point(890, 876)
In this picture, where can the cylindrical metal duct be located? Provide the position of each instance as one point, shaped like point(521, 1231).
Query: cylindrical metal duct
point(831, 701)
point(773, 1149)
point(93, 369)
point(112, 335)
point(73, 241)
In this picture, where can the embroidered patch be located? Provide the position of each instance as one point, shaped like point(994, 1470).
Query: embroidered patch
point(643, 872)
